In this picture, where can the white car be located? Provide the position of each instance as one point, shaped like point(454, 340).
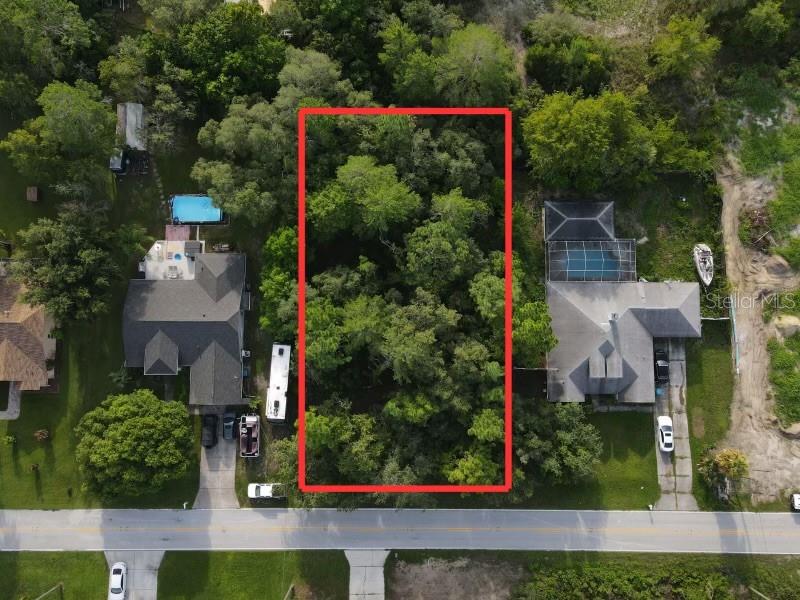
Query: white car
point(665, 440)
point(794, 502)
point(263, 491)
point(118, 581)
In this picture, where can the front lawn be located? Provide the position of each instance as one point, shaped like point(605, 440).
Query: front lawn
point(26, 575)
point(709, 391)
point(626, 477)
point(87, 353)
point(247, 575)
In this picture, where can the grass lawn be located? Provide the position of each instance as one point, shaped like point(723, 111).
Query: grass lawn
point(777, 577)
point(25, 575)
point(16, 211)
point(709, 392)
point(87, 353)
point(626, 477)
point(247, 575)
point(672, 227)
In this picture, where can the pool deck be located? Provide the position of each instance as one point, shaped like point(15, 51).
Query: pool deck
point(167, 260)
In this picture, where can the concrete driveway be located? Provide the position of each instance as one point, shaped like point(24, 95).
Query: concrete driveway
point(675, 469)
point(218, 474)
point(142, 571)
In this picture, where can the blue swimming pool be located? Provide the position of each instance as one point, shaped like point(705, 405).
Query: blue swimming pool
point(193, 208)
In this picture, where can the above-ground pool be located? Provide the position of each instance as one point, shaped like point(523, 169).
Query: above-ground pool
point(193, 208)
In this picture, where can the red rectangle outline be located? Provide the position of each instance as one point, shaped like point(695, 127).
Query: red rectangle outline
point(301, 299)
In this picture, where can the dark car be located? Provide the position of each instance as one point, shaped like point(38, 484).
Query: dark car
point(661, 366)
point(228, 425)
point(209, 436)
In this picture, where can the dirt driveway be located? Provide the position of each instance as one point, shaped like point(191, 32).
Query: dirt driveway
point(774, 458)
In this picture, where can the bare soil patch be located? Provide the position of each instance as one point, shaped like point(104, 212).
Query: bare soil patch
point(439, 579)
point(753, 275)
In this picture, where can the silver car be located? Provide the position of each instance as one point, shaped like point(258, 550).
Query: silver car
point(118, 581)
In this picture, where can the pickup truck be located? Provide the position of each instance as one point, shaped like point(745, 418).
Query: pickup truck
point(249, 432)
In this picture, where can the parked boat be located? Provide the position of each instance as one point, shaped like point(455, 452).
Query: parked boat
point(704, 262)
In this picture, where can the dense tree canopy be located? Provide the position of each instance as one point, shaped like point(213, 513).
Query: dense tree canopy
point(585, 143)
point(71, 264)
point(70, 141)
point(133, 444)
point(42, 39)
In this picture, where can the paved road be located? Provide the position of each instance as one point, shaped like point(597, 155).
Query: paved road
point(273, 529)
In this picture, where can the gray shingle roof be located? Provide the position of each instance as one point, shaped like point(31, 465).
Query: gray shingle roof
point(605, 335)
point(161, 355)
point(202, 318)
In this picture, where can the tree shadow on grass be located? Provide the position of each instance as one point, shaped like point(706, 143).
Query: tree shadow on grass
point(327, 573)
point(184, 576)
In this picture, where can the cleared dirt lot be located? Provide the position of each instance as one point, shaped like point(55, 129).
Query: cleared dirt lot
point(774, 458)
point(440, 579)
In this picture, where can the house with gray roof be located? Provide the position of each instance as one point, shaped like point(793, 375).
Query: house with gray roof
point(604, 319)
point(188, 312)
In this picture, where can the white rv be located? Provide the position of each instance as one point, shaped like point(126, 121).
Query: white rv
point(278, 382)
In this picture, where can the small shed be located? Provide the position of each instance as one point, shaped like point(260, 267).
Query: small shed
point(130, 125)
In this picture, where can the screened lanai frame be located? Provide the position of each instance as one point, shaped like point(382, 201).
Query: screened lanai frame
point(591, 260)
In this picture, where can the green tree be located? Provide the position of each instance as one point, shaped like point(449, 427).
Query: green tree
point(133, 444)
point(42, 38)
point(457, 210)
point(476, 68)
point(164, 115)
point(365, 197)
point(474, 467)
point(766, 23)
point(415, 409)
point(125, 71)
point(325, 338)
point(554, 443)
point(231, 52)
point(590, 143)
point(488, 426)
point(583, 62)
point(170, 14)
point(399, 42)
point(438, 255)
point(413, 338)
point(533, 336)
point(70, 265)
point(72, 139)
point(685, 49)
point(363, 323)
point(255, 146)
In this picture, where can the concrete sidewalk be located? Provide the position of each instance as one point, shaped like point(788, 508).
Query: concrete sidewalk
point(142, 571)
point(366, 574)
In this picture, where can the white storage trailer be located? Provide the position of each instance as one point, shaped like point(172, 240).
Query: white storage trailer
point(278, 382)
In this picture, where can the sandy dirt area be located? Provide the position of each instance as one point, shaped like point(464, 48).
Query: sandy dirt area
point(774, 457)
point(458, 579)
